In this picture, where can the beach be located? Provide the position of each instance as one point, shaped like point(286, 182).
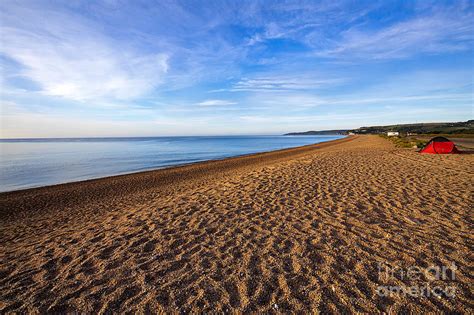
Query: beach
point(297, 230)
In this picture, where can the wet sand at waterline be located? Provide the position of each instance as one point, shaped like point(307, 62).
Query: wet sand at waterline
point(302, 229)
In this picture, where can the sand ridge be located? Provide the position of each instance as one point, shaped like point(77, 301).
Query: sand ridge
point(300, 232)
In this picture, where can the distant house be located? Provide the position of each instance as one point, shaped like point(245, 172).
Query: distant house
point(393, 133)
point(351, 133)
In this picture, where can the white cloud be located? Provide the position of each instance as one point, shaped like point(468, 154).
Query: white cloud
point(216, 103)
point(280, 83)
point(68, 57)
point(272, 31)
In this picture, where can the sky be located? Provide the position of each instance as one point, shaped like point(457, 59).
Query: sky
point(163, 68)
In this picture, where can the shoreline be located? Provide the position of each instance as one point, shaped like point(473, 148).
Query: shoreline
point(26, 199)
point(151, 169)
point(298, 230)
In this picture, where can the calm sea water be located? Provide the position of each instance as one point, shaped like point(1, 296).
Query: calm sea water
point(40, 162)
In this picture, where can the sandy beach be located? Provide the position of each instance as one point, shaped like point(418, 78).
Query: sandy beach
point(303, 229)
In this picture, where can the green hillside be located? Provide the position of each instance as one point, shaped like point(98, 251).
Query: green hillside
point(422, 128)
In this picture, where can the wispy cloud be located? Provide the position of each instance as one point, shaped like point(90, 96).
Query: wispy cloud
point(272, 31)
point(302, 101)
point(416, 88)
point(439, 33)
point(290, 61)
point(67, 56)
point(282, 83)
point(216, 103)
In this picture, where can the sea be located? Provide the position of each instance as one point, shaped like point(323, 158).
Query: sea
point(27, 163)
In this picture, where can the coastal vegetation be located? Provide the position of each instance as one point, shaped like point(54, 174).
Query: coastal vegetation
point(457, 129)
point(447, 128)
point(405, 142)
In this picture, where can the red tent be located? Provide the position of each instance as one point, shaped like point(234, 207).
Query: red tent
point(440, 145)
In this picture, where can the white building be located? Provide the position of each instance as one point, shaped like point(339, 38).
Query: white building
point(393, 133)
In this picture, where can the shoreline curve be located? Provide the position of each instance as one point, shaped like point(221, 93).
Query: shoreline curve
point(69, 195)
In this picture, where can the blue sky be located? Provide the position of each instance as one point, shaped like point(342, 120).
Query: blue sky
point(140, 68)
